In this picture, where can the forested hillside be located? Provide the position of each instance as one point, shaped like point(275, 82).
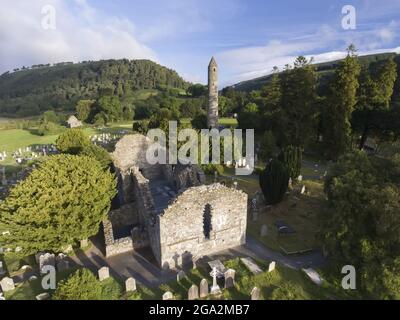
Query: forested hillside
point(324, 72)
point(31, 91)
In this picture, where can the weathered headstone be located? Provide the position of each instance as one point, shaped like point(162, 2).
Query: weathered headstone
point(314, 276)
point(168, 296)
point(300, 178)
point(32, 278)
point(229, 276)
point(2, 271)
point(303, 190)
point(7, 284)
point(272, 266)
point(203, 288)
point(84, 243)
point(193, 292)
point(62, 262)
point(104, 273)
point(180, 276)
point(251, 265)
point(130, 285)
point(255, 294)
point(47, 259)
point(43, 296)
point(264, 230)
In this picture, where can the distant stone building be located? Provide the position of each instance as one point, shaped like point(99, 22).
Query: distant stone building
point(170, 209)
point(212, 111)
point(73, 122)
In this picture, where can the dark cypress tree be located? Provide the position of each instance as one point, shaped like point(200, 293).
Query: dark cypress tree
point(274, 181)
point(292, 157)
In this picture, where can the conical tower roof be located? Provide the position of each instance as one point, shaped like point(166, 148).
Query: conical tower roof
point(213, 63)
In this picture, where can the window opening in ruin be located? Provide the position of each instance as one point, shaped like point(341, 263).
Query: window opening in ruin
point(207, 226)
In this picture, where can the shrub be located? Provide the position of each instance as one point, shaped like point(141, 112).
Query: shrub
point(274, 181)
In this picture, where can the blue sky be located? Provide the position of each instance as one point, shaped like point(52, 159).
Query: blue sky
point(247, 37)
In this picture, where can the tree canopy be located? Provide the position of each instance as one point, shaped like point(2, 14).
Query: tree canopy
point(60, 202)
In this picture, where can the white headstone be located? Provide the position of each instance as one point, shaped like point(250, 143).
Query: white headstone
point(193, 292)
point(168, 296)
point(47, 259)
point(251, 265)
point(2, 271)
point(130, 285)
point(203, 288)
point(303, 190)
point(272, 266)
point(104, 273)
point(300, 178)
point(43, 296)
point(255, 294)
point(7, 284)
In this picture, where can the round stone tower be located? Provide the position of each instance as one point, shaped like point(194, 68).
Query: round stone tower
point(212, 112)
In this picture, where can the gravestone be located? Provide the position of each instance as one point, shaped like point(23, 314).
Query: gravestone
point(264, 230)
point(314, 276)
point(84, 243)
point(181, 275)
point(272, 266)
point(255, 294)
point(104, 273)
point(251, 265)
point(32, 278)
point(2, 271)
point(203, 288)
point(168, 296)
point(130, 285)
point(300, 178)
point(193, 292)
point(7, 284)
point(47, 259)
point(43, 296)
point(303, 190)
point(62, 262)
point(215, 289)
point(229, 276)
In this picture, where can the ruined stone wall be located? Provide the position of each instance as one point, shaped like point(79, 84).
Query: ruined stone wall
point(130, 152)
point(147, 215)
point(115, 246)
point(182, 224)
point(183, 177)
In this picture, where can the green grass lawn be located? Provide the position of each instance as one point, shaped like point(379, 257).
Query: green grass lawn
point(245, 281)
point(298, 211)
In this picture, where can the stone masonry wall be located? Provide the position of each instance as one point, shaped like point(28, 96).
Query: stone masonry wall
point(182, 229)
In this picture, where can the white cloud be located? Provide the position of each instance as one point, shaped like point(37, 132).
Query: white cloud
point(82, 33)
point(251, 62)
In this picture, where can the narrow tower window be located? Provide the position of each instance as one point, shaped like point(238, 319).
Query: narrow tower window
point(207, 226)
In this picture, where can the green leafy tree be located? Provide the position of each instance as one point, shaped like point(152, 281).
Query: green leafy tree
point(59, 203)
point(84, 108)
point(292, 157)
point(50, 116)
point(271, 96)
point(72, 141)
point(110, 107)
point(199, 121)
point(298, 103)
point(268, 146)
point(98, 153)
point(274, 181)
point(249, 117)
point(341, 102)
point(362, 227)
point(375, 94)
point(83, 285)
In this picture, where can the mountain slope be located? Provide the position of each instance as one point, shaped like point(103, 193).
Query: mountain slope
point(324, 71)
point(31, 91)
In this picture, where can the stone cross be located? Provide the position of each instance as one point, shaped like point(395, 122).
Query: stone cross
point(168, 296)
point(193, 292)
point(130, 285)
point(7, 284)
point(255, 294)
point(229, 278)
point(272, 266)
point(203, 288)
point(104, 273)
point(215, 289)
